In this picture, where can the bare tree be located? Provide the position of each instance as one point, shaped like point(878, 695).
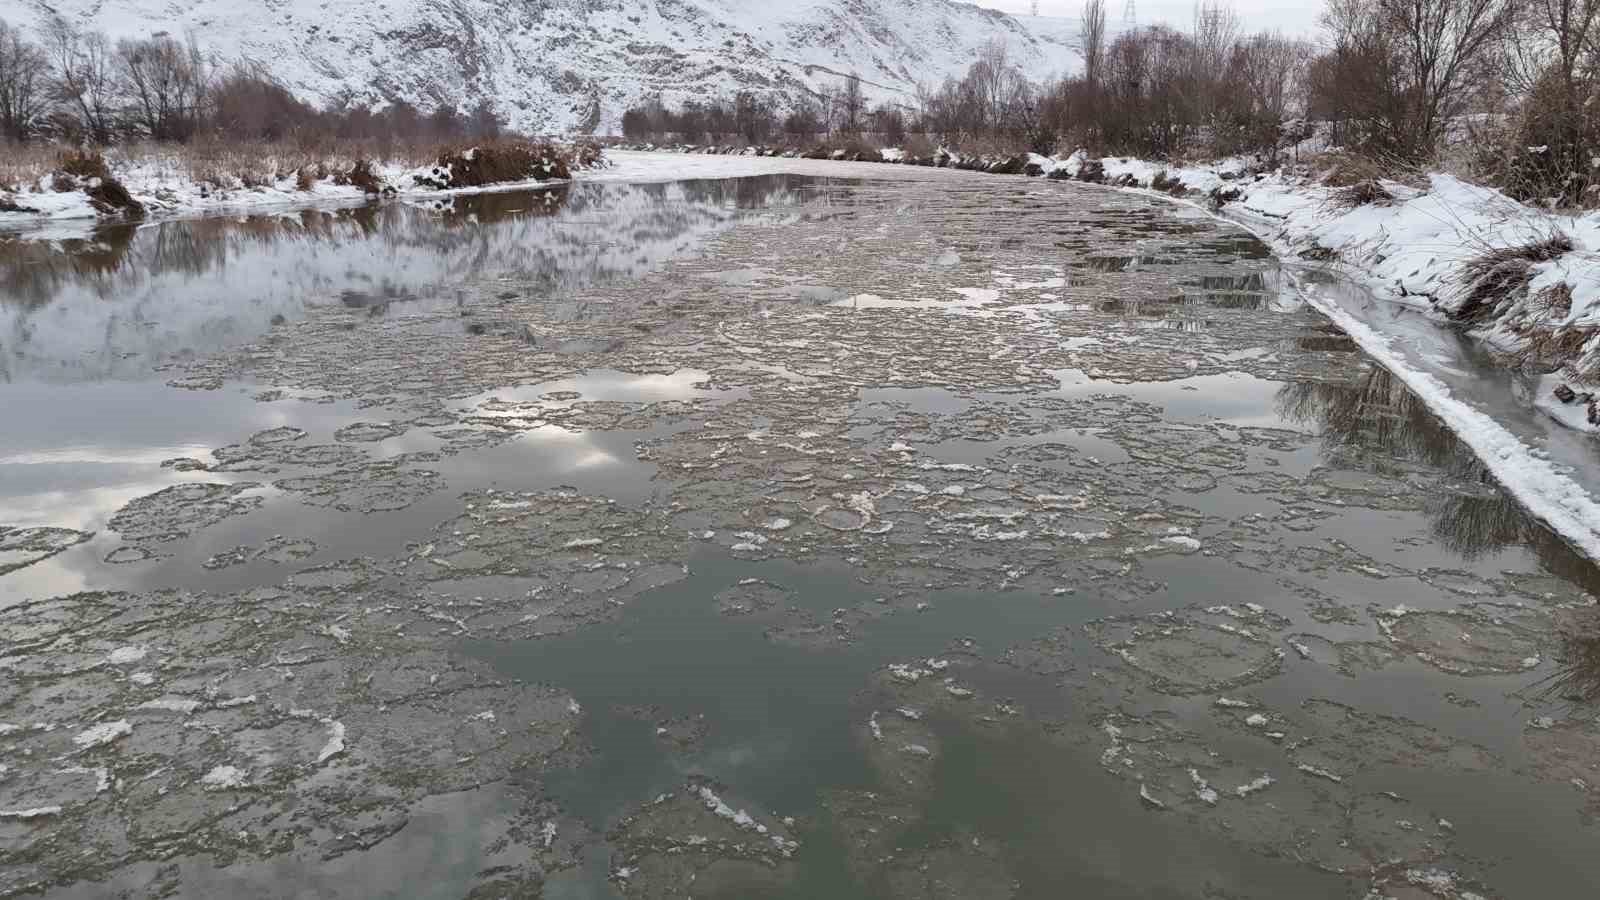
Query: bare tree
point(24, 98)
point(828, 106)
point(167, 85)
point(890, 123)
point(1551, 60)
point(86, 82)
point(1398, 70)
point(1093, 35)
point(1270, 68)
point(803, 121)
point(851, 105)
point(1209, 76)
point(1437, 42)
point(754, 117)
point(248, 103)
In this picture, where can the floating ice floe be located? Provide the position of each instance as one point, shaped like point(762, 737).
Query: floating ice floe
point(1149, 799)
point(1320, 773)
point(124, 655)
point(223, 778)
point(102, 734)
point(1257, 785)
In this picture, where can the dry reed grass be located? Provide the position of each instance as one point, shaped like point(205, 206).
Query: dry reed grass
point(1501, 273)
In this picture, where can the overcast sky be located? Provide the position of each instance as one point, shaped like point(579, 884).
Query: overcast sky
point(1256, 15)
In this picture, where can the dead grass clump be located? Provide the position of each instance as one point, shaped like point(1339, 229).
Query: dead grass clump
point(305, 178)
point(7, 204)
point(1553, 302)
point(1318, 253)
point(1092, 171)
point(1342, 170)
point(1544, 347)
point(1327, 343)
point(1497, 275)
point(1168, 184)
point(87, 171)
point(25, 164)
point(361, 174)
point(83, 164)
point(108, 196)
point(586, 155)
point(1363, 193)
point(1221, 196)
point(497, 162)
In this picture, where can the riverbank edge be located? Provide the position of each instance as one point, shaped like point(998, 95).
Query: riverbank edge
point(160, 188)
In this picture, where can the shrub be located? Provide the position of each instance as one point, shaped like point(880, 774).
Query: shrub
point(499, 162)
point(919, 150)
point(587, 155)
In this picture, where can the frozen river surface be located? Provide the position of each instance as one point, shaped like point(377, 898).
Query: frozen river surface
point(931, 536)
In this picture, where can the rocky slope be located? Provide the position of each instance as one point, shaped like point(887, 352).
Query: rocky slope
point(576, 65)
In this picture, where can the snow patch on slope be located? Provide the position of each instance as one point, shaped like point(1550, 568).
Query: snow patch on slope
point(565, 65)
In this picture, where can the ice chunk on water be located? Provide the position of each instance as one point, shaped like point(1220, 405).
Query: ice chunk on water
point(124, 655)
point(223, 778)
point(1320, 773)
point(1149, 799)
point(102, 734)
point(1259, 784)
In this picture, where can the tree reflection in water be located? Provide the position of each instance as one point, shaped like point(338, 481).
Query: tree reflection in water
point(1375, 423)
point(113, 302)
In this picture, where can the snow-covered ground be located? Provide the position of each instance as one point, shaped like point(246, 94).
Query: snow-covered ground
point(165, 187)
point(560, 66)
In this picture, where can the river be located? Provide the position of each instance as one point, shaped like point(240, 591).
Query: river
point(928, 535)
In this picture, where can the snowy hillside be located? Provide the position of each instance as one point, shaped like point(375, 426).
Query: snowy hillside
point(561, 65)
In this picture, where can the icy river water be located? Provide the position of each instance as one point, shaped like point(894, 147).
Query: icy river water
point(928, 536)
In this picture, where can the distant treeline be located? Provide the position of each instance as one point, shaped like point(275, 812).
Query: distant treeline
point(1151, 91)
point(1512, 84)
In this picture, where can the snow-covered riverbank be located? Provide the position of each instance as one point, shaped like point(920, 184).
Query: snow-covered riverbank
point(164, 183)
